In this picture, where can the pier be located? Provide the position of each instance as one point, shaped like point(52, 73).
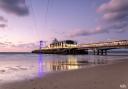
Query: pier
point(101, 48)
point(71, 47)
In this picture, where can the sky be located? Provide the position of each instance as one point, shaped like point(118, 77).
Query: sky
point(23, 23)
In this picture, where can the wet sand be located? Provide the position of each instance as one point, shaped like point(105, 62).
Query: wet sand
point(112, 76)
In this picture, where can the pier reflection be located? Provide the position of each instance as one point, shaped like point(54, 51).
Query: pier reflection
point(98, 59)
point(69, 62)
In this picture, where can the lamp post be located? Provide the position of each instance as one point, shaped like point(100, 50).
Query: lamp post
point(41, 44)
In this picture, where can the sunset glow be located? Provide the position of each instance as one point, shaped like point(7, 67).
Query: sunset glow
point(23, 23)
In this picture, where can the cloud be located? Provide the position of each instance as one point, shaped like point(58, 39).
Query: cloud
point(118, 26)
point(2, 19)
point(115, 14)
point(9, 46)
point(114, 6)
point(5, 44)
point(2, 44)
point(114, 19)
point(97, 30)
point(20, 45)
point(16, 7)
point(114, 10)
point(27, 45)
point(3, 25)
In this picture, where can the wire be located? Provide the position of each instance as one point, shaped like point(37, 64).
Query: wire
point(46, 13)
point(33, 17)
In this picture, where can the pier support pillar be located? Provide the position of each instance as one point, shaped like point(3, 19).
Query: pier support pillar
point(102, 52)
point(105, 52)
point(94, 52)
point(98, 52)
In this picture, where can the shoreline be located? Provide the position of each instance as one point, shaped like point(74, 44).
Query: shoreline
point(108, 76)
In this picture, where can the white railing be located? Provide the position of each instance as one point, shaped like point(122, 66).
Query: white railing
point(105, 44)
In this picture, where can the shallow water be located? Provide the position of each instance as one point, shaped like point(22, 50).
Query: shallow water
point(15, 67)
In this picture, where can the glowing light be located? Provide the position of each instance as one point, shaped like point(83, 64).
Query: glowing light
point(40, 62)
point(40, 66)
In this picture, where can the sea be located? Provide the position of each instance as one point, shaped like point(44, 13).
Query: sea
point(22, 66)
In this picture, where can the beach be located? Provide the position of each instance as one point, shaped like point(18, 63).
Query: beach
point(111, 76)
point(64, 44)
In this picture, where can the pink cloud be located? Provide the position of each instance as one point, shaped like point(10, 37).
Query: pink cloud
point(114, 10)
point(114, 19)
point(114, 6)
point(97, 30)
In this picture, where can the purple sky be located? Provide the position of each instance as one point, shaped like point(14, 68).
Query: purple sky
point(23, 23)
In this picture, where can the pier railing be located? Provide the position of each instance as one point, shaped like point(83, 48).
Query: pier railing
point(102, 47)
point(105, 45)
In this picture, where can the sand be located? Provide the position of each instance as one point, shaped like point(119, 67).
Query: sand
point(112, 76)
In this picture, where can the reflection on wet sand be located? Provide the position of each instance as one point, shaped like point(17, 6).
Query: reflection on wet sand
point(58, 65)
point(70, 63)
point(100, 61)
